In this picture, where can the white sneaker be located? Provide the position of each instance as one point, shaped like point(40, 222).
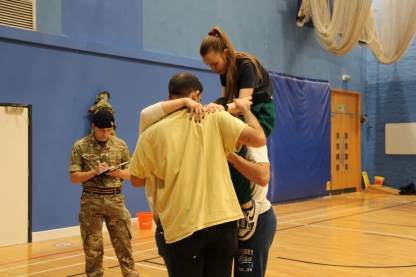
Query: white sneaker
point(247, 225)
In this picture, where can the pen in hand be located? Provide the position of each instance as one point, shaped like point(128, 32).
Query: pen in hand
point(101, 167)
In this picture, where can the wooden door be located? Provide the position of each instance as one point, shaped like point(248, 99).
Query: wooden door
point(345, 142)
point(14, 175)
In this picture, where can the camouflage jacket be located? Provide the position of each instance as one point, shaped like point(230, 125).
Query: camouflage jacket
point(87, 153)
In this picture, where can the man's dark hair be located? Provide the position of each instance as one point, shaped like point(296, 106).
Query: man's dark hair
point(182, 84)
point(221, 101)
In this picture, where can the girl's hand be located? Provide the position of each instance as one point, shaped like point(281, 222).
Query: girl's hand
point(243, 103)
point(196, 110)
point(212, 107)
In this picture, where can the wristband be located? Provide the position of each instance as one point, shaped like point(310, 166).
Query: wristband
point(225, 107)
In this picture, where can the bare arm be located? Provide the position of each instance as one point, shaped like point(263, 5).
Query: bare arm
point(232, 107)
point(258, 173)
point(79, 176)
point(136, 181)
point(174, 105)
point(150, 115)
point(121, 173)
point(245, 92)
point(195, 108)
point(156, 112)
point(253, 134)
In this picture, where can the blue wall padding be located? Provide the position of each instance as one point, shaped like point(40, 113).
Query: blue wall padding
point(299, 147)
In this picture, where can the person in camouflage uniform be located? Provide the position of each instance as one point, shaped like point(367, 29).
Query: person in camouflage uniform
point(101, 196)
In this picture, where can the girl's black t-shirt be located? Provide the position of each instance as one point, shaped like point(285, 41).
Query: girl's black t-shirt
point(247, 78)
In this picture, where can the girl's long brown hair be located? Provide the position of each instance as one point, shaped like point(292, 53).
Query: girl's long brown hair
point(217, 41)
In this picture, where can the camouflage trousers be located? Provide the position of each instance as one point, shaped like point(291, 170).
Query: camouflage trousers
point(94, 210)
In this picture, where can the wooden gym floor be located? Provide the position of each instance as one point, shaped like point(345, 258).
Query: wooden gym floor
point(353, 234)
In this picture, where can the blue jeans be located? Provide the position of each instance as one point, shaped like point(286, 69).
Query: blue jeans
point(251, 260)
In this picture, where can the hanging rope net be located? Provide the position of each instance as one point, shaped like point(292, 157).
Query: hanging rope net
point(387, 27)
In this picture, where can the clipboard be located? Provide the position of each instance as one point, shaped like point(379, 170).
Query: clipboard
point(113, 168)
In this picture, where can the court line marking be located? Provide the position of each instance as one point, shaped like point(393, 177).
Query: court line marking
point(68, 257)
point(388, 208)
point(71, 265)
point(337, 266)
point(352, 202)
point(326, 214)
point(49, 270)
point(354, 230)
point(75, 250)
point(314, 224)
point(37, 263)
point(325, 208)
point(342, 211)
point(357, 273)
point(149, 266)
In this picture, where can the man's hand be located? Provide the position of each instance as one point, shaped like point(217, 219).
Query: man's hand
point(113, 173)
point(120, 173)
point(100, 168)
point(253, 134)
